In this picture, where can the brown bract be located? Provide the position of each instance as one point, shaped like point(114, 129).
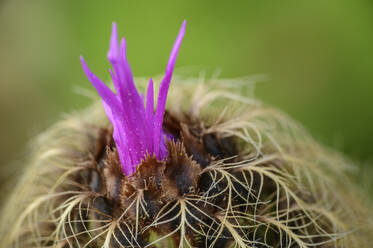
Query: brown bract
point(156, 182)
point(150, 194)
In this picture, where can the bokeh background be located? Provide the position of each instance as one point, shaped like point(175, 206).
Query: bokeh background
point(318, 55)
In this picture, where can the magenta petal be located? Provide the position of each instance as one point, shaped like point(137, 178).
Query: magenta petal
point(175, 50)
point(150, 115)
point(113, 53)
point(150, 102)
point(162, 96)
point(137, 130)
point(106, 94)
point(127, 74)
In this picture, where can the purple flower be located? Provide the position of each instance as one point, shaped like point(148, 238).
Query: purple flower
point(137, 129)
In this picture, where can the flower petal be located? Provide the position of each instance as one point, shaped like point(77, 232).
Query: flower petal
point(105, 93)
point(113, 53)
point(163, 90)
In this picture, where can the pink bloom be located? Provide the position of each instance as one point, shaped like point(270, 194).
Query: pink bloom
point(137, 129)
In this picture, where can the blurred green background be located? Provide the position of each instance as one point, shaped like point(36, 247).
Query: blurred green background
point(318, 55)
